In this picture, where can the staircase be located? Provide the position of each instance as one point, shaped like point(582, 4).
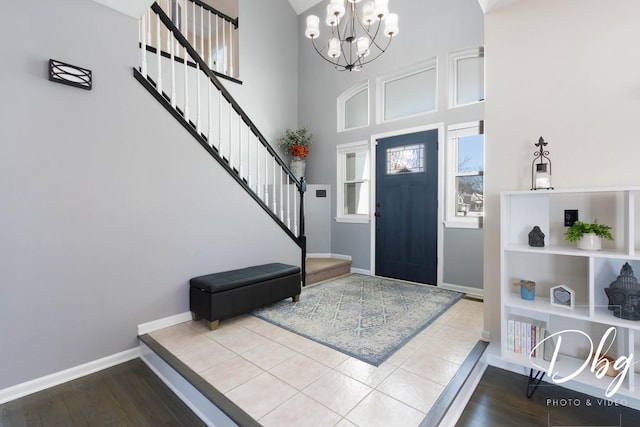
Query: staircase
point(185, 47)
point(321, 269)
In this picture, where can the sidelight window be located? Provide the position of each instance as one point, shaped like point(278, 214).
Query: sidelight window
point(465, 177)
point(353, 182)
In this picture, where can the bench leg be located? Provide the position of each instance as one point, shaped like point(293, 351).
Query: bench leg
point(195, 316)
point(296, 298)
point(214, 325)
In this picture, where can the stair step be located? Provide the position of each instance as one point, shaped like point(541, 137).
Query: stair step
point(320, 269)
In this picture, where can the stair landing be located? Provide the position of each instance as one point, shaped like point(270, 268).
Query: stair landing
point(320, 269)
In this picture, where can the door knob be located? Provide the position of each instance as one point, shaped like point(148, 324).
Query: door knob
point(377, 214)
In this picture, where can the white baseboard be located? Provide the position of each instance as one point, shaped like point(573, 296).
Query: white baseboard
point(329, 255)
point(465, 289)
point(154, 325)
point(361, 271)
point(19, 390)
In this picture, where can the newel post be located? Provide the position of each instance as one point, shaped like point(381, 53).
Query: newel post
point(302, 237)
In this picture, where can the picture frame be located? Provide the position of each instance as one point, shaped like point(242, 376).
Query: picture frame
point(562, 296)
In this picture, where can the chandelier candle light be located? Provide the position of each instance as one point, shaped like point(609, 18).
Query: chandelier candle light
point(353, 32)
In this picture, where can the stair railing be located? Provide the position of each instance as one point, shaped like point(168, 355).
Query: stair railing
point(213, 34)
point(180, 79)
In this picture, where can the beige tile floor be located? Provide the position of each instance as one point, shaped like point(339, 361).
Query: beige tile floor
point(283, 379)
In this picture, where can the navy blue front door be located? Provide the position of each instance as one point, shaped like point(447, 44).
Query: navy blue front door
point(407, 207)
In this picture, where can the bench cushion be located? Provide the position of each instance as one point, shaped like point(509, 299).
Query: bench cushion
point(219, 282)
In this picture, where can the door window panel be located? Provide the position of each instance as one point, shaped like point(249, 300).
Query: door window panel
point(406, 159)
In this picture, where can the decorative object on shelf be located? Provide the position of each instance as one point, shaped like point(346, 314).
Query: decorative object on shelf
point(624, 295)
point(541, 171)
point(536, 237)
point(588, 236)
point(296, 143)
point(70, 75)
point(527, 289)
point(354, 33)
point(605, 363)
point(562, 296)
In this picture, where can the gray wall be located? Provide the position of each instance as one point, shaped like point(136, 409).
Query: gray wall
point(567, 71)
point(268, 66)
point(108, 206)
point(427, 29)
point(463, 257)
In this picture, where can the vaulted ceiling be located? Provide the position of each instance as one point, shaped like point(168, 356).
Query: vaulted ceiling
point(136, 8)
point(302, 5)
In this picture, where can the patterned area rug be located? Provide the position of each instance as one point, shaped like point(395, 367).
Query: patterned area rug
point(366, 317)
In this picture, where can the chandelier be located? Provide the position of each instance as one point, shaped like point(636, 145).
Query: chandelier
point(354, 33)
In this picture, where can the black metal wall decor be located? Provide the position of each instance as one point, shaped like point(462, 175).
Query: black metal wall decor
point(68, 74)
point(541, 171)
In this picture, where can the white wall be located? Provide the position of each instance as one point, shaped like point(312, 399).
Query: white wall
point(108, 205)
point(566, 70)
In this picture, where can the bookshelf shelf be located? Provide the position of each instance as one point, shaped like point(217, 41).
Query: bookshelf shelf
point(587, 273)
point(543, 305)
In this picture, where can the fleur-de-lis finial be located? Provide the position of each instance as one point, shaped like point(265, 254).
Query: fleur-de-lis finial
point(541, 143)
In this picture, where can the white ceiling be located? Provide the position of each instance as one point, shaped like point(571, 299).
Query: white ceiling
point(136, 8)
point(300, 6)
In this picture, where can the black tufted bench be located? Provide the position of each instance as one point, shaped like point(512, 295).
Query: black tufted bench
point(223, 295)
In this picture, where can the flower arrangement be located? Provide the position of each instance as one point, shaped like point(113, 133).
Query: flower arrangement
point(296, 142)
point(579, 228)
point(299, 150)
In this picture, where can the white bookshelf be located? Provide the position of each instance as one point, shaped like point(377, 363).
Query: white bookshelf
point(587, 273)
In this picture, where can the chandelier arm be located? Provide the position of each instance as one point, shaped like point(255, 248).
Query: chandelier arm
point(336, 33)
point(320, 52)
point(373, 58)
point(373, 38)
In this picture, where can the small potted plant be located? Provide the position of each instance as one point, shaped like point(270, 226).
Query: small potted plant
point(296, 143)
point(588, 236)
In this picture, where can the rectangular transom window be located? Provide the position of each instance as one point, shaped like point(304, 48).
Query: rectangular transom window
point(408, 93)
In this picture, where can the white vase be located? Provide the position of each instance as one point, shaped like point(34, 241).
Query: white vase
point(297, 166)
point(590, 242)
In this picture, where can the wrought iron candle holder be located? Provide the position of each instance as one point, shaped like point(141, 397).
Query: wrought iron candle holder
point(541, 171)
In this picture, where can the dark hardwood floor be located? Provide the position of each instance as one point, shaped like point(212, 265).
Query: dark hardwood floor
point(500, 401)
point(129, 394)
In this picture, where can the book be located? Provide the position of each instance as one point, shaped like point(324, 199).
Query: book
point(525, 334)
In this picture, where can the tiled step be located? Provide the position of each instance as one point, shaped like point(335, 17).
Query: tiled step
point(319, 269)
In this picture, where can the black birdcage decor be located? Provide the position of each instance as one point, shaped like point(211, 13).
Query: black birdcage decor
point(541, 167)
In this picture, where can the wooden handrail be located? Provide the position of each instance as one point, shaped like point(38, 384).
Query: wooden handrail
point(224, 16)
